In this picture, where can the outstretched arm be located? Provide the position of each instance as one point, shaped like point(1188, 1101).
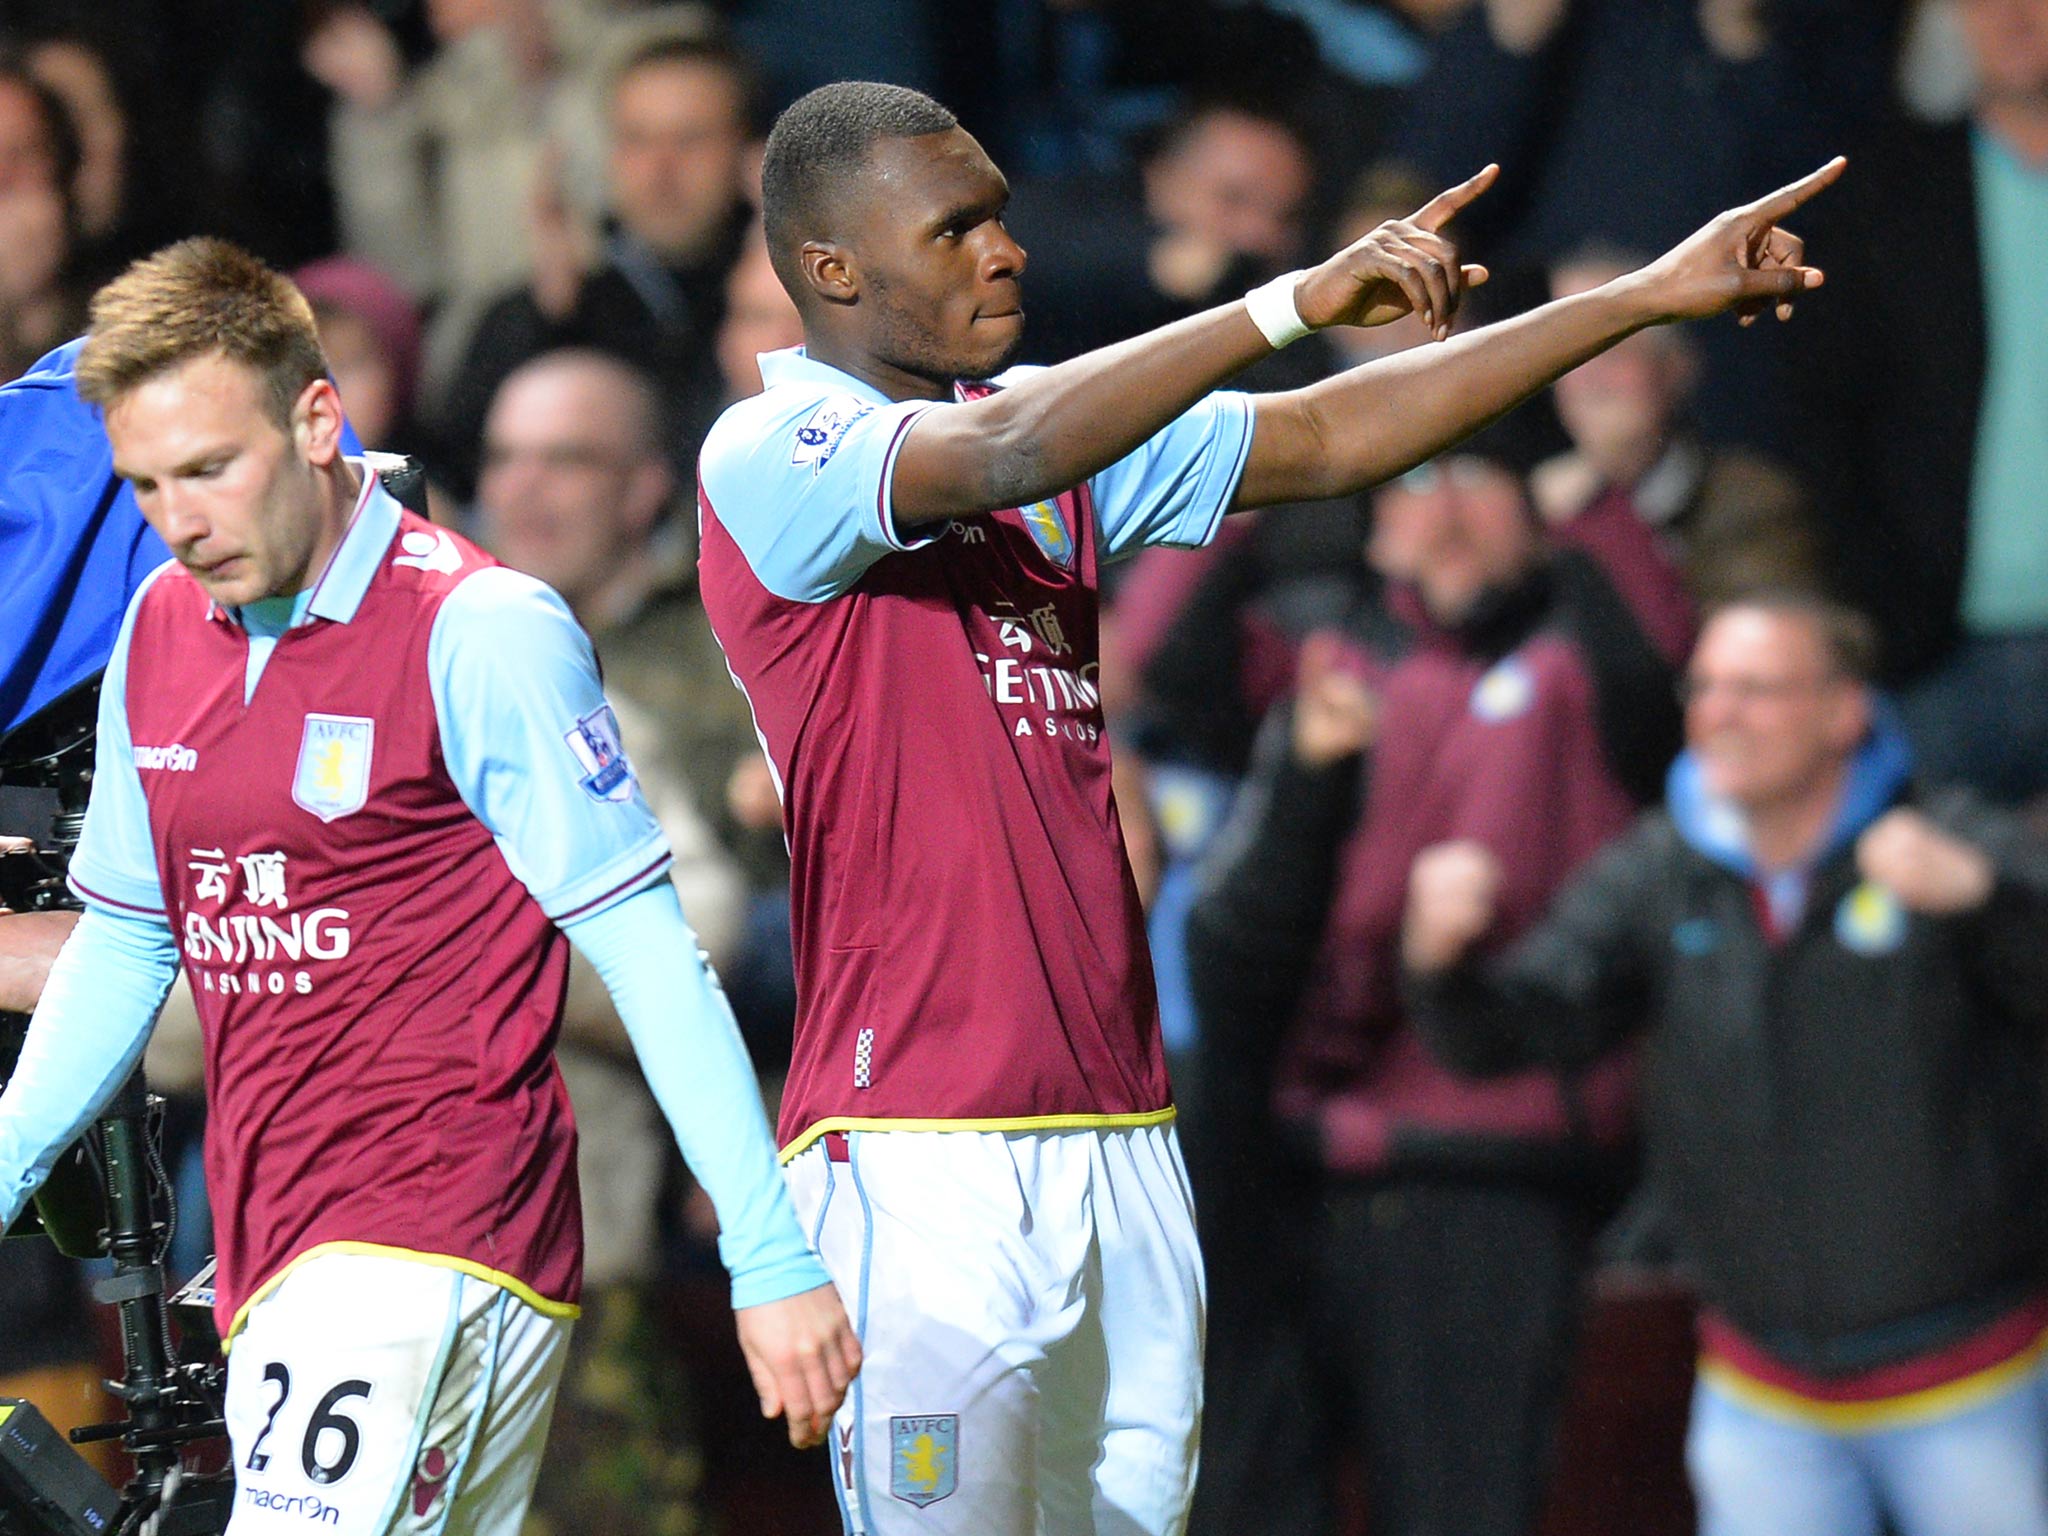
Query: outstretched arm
point(1346, 433)
point(1055, 429)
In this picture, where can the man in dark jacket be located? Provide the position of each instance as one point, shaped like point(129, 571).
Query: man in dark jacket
point(1843, 993)
point(680, 128)
point(1444, 1247)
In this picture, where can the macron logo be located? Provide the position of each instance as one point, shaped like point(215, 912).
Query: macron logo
point(177, 758)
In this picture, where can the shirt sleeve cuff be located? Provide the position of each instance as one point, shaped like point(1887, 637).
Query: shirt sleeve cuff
point(885, 494)
point(779, 1280)
point(110, 893)
point(1221, 473)
point(611, 883)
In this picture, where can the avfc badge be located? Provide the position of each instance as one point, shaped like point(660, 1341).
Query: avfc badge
point(1505, 692)
point(924, 1457)
point(333, 776)
point(1048, 531)
point(595, 741)
point(1870, 921)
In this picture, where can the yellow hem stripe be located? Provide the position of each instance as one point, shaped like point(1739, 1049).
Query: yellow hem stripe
point(470, 1267)
point(1010, 1123)
point(1920, 1407)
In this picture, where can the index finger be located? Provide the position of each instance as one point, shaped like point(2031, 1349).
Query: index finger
point(1439, 210)
point(1787, 198)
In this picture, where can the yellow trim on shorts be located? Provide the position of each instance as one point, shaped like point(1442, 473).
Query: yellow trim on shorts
point(470, 1267)
point(1005, 1123)
point(1920, 1407)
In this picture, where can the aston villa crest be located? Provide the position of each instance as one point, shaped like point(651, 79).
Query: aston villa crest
point(924, 1457)
point(333, 776)
point(1048, 529)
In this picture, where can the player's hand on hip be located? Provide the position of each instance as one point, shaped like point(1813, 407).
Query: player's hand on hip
point(1742, 261)
point(1405, 266)
point(803, 1355)
point(1927, 869)
point(1453, 894)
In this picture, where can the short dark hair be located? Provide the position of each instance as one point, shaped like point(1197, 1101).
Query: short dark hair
point(706, 49)
point(818, 143)
point(1846, 635)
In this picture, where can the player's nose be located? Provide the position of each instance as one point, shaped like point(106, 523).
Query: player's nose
point(1005, 258)
point(181, 521)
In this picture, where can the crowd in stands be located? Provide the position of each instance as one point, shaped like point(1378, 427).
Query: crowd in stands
point(1627, 824)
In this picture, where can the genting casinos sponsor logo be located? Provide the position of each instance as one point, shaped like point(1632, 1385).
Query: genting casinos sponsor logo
point(246, 953)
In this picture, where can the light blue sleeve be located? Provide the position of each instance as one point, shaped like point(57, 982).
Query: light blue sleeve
point(532, 745)
point(800, 477)
point(97, 1010)
point(114, 866)
point(1176, 486)
point(691, 1054)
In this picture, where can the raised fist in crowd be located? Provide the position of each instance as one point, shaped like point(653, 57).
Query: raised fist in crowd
point(1453, 894)
point(1927, 869)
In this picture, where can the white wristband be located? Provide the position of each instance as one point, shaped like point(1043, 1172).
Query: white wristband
point(1271, 306)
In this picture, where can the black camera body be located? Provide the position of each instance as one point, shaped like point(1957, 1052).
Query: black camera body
point(47, 760)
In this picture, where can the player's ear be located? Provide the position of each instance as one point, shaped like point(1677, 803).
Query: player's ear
point(316, 422)
point(830, 270)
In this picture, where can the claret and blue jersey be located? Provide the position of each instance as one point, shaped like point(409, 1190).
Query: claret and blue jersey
point(361, 820)
point(969, 944)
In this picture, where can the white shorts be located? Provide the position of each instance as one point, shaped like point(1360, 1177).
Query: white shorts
point(370, 1395)
point(1030, 1306)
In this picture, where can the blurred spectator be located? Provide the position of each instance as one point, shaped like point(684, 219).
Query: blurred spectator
point(1621, 121)
point(574, 491)
point(577, 491)
point(370, 331)
point(1219, 205)
point(1924, 408)
point(759, 317)
point(38, 144)
point(1443, 1253)
point(79, 77)
point(116, 216)
point(40, 304)
point(40, 307)
point(681, 130)
point(1841, 989)
point(429, 163)
point(1731, 521)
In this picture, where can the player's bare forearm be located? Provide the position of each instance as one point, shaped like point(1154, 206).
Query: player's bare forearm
point(1049, 432)
point(29, 942)
point(1365, 425)
point(1353, 431)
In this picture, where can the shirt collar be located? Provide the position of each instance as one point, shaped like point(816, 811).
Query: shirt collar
point(793, 365)
point(371, 525)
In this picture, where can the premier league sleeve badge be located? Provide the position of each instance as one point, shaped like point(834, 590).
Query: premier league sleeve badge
point(607, 776)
